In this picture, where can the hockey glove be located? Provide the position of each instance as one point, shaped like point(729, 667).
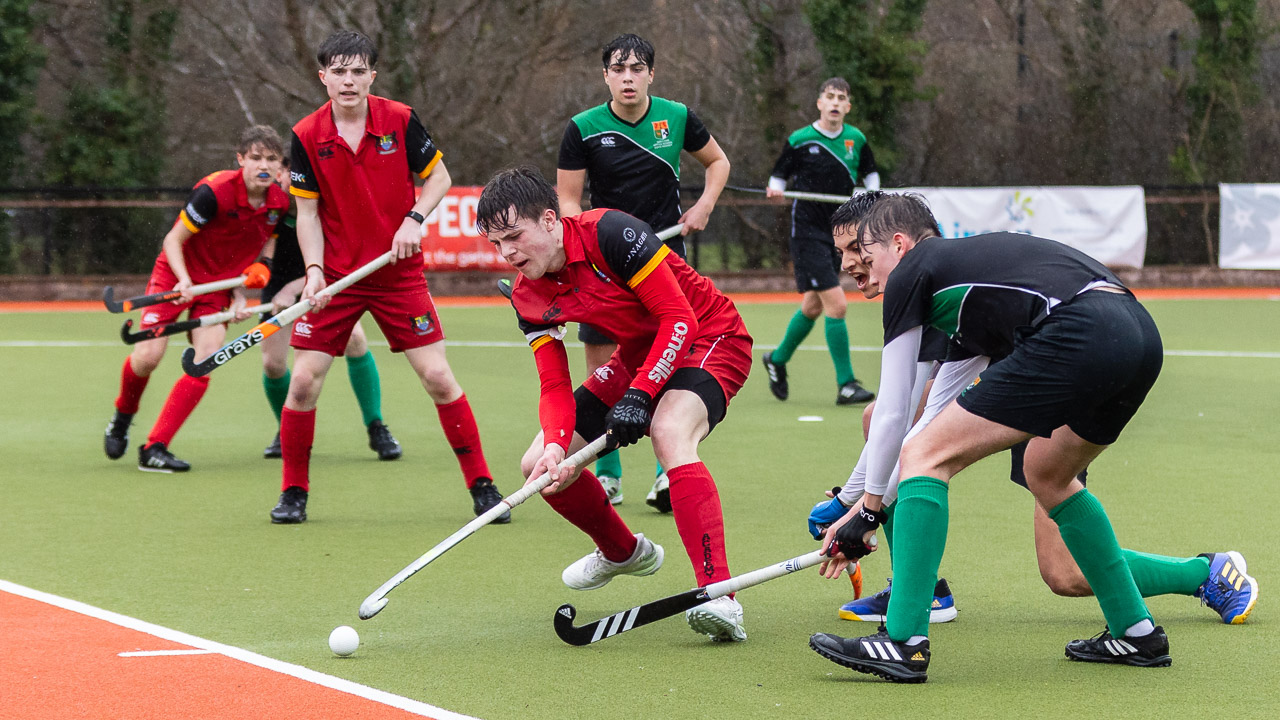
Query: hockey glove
point(629, 419)
point(849, 536)
point(825, 513)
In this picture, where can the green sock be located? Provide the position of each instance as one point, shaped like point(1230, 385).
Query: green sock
point(1164, 575)
point(887, 530)
point(797, 330)
point(610, 465)
point(838, 346)
point(1088, 535)
point(657, 470)
point(277, 390)
point(363, 373)
point(923, 504)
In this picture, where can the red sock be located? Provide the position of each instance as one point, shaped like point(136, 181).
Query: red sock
point(297, 432)
point(586, 506)
point(131, 387)
point(183, 398)
point(696, 506)
point(464, 437)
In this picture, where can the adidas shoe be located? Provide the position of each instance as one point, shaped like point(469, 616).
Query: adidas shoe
point(612, 489)
point(292, 508)
point(876, 607)
point(382, 442)
point(777, 377)
point(659, 497)
point(1230, 590)
point(595, 570)
point(273, 451)
point(1151, 650)
point(485, 495)
point(155, 457)
point(116, 438)
point(877, 655)
point(852, 393)
point(720, 618)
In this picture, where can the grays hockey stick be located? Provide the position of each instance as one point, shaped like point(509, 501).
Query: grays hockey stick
point(138, 301)
point(271, 326)
point(159, 331)
point(373, 604)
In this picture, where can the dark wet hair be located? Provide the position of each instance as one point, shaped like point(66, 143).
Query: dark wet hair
point(523, 188)
point(628, 45)
point(907, 213)
point(347, 44)
point(836, 83)
point(262, 135)
point(854, 209)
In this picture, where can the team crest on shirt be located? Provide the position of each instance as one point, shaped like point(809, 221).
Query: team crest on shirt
point(387, 144)
point(424, 324)
point(661, 134)
point(273, 217)
point(848, 148)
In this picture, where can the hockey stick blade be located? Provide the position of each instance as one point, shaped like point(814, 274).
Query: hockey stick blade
point(227, 352)
point(626, 620)
point(155, 331)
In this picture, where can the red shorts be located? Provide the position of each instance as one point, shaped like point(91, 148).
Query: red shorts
point(406, 316)
point(162, 280)
point(726, 357)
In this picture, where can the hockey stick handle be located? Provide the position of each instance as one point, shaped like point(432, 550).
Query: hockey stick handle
point(229, 315)
point(377, 600)
point(108, 295)
point(797, 195)
point(671, 232)
point(174, 328)
point(300, 308)
point(764, 574)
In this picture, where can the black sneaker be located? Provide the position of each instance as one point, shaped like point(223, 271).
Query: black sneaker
point(876, 655)
point(292, 507)
point(484, 495)
point(852, 393)
point(777, 377)
point(116, 439)
point(382, 442)
point(273, 451)
point(157, 458)
point(505, 288)
point(1151, 650)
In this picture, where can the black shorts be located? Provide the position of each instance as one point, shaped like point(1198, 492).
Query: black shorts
point(1088, 366)
point(591, 410)
point(816, 262)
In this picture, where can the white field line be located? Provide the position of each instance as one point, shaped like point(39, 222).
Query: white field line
point(518, 344)
point(163, 653)
point(252, 658)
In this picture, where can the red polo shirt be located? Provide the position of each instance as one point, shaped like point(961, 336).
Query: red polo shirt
point(364, 192)
point(229, 232)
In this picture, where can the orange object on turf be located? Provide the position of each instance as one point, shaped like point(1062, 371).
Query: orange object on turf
point(256, 275)
point(855, 577)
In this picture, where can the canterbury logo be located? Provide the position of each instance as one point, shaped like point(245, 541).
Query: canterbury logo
point(615, 624)
point(666, 364)
point(1120, 647)
point(886, 650)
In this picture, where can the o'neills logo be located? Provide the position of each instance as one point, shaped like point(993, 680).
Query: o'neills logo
point(666, 364)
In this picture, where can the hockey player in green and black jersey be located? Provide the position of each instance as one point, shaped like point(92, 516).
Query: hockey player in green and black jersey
point(627, 153)
point(830, 157)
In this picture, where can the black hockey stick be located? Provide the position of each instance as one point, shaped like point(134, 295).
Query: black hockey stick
point(159, 331)
point(120, 306)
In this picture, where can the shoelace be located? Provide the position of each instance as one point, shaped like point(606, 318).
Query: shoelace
point(382, 435)
point(1225, 593)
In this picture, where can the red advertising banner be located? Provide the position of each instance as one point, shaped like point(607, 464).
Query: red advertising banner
point(451, 241)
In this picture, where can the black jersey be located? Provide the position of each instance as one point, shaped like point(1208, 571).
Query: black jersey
point(985, 289)
point(813, 161)
point(287, 263)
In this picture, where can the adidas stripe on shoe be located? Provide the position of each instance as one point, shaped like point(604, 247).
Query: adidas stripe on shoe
point(877, 655)
point(1151, 650)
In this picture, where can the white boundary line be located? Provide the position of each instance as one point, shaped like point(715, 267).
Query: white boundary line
point(164, 653)
point(252, 658)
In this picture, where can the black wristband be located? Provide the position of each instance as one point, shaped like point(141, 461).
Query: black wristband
point(416, 216)
point(876, 516)
point(264, 260)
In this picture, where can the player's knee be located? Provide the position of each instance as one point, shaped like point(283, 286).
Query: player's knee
point(439, 382)
point(672, 438)
point(145, 358)
point(274, 367)
point(304, 389)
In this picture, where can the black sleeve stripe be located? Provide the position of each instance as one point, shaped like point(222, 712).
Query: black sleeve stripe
point(696, 135)
point(418, 145)
point(303, 182)
point(627, 243)
point(866, 161)
point(201, 208)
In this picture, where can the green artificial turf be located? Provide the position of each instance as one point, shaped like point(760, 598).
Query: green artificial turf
point(1195, 472)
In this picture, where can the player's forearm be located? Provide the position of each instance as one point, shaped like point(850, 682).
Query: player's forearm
point(434, 189)
point(172, 248)
point(717, 176)
point(894, 409)
point(677, 327)
point(310, 233)
point(556, 407)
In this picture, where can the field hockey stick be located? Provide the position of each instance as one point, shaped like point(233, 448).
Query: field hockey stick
point(373, 604)
point(271, 326)
point(121, 306)
point(797, 195)
point(159, 331)
point(505, 286)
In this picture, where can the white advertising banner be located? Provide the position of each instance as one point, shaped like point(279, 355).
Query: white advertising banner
point(1107, 223)
point(1249, 227)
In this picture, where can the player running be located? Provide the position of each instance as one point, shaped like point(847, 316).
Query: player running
point(353, 163)
point(683, 353)
point(628, 149)
point(827, 156)
point(228, 221)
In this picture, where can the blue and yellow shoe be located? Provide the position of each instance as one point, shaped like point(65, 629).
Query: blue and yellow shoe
point(1229, 591)
point(874, 608)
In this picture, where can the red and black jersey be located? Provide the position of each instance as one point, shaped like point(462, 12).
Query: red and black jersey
point(365, 192)
point(229, 232)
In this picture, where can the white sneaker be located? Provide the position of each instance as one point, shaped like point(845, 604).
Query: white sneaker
point(612, 489)
point(659, 498)
point(595, 571)
point(720, 618)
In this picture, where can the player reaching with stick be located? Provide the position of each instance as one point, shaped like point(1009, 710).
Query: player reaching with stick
point(683, 353)
point(228, 221)
point(353, 163)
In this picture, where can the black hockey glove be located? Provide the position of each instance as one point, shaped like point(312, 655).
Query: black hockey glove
point(849, 536)
point(629, 419)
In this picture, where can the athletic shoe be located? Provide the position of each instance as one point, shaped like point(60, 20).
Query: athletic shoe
point(116, 438)
point(1151, 650)
point(876, 607)
point(659, 497)
point(504, 287)
point(777, 377)
point(1229, 591)
point(485, 495)
point(721, 619)
point(595, 571)
point(381, 441)
point(292, 507)
point(612, 488)
point(877, 655)
point(852, 393)
point(157, 458)
point(273, 451)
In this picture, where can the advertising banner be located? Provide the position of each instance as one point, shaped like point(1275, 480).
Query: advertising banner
point(1249, 227)
point(451, 241)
